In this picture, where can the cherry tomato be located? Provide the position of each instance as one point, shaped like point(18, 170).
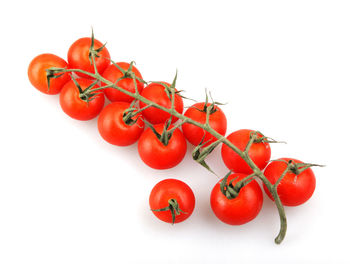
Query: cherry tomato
point(78, 57)
point(260, 153)
point(197, 112)
point(168, 194)
point(37, 73)
point(76, 107)
point(158, 156)
point(293, 189)
point(241, 209)
point(114, 130)
point(112, 73)
point(156, 93)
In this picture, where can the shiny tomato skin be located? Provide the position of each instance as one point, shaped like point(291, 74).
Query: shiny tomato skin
point(241, 209)
point(112, 73)
point(194, 134)
point(75, 107)
point(156, 93)
point(78, 57)
point(260, 153)
point(172, 189)
point(37, 73)
point(113, 129)
point(293, 190)
point(158, 156)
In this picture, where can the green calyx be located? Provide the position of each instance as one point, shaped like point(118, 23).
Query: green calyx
point(170, 89)
point(199, 154)
point(212, 108)
point(293, 167)
point(208, 108)
point(297, 168)
point(128, 74)
point(173, 207)
point(260, 138)
point(228, 189)
point(53, 73)
point(231, 191)
point(166, 134)
point(130, 113)
point(94, 53)
point(86, 95)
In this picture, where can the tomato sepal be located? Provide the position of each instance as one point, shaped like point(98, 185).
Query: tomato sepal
point(173, 207)
point(53, 73)
point(199, 154)
point(94, 53)
point(231, 191)
point(167, 133)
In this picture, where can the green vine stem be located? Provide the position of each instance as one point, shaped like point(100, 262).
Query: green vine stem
point(243, 154)
point(183, 119)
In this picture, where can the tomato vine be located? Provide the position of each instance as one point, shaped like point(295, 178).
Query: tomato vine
point(202, 150)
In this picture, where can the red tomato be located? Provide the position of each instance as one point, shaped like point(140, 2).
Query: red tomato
point(172, 189)
point(293, 189)
point(158, 156)
point(37, 73)
point(77, 108)
point(241, 209)
point(260, 153)
point(197, 112)
point(156, 93)
point(112, 73)
point(113, 128)
point(78, 57)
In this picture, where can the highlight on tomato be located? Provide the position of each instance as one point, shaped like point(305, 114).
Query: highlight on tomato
point(233, 204)
point(117, 71)
point(119, 124)
point(160, 93)
point(296, 187)
point(198, 112)
point(37, 73)
point(77, 100)
point(259, 152)
point(80, 56)
point(162, 146)
point(172, 201)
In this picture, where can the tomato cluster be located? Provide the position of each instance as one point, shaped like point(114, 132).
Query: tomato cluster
point(88, 79)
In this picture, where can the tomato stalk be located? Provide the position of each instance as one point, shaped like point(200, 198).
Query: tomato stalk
point(198, 154)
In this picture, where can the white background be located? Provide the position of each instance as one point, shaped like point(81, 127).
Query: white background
point(66, 196)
